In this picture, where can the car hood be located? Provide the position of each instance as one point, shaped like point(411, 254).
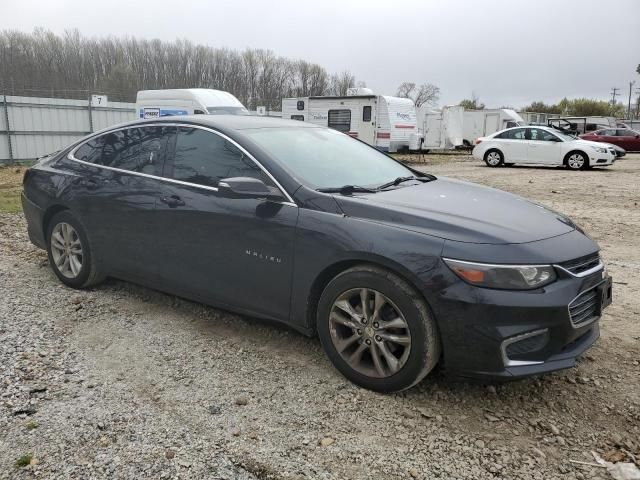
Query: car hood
point(459, 211)
point(588, 143)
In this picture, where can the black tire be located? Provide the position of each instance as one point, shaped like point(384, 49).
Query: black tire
point(494, 158)
point(572, 163)
point(90, 272)
point(424, 350)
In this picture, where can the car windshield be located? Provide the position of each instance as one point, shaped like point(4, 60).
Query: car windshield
point(227, 111)
point(324, 158)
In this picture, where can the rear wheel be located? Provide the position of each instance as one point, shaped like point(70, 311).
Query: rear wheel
point(493, 158)
point(577, 161)
point(70, 253)
point(377, 330)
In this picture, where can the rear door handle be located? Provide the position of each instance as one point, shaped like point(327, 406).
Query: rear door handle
point(172, 201)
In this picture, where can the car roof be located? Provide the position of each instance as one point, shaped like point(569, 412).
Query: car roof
point(226, 122)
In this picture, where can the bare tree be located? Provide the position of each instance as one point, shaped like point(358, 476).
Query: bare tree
point(425, 94)
point(71, 65)
point(340, 83)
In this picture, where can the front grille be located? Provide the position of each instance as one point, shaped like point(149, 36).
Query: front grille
point(584, 307)
point(528, 345)
point(581, 264)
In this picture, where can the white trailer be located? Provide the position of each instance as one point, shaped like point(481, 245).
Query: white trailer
point(187, 101)
point(439, 129)
point(480, 123)
point(381, 121)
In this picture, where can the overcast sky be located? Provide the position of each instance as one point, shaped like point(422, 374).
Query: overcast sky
point(508, 52)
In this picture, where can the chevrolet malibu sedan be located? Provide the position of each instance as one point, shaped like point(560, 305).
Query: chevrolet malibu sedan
point(541, 146)
point(394, 269)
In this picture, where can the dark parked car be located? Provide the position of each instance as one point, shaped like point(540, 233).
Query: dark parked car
point(396, 270)
point(622, 137)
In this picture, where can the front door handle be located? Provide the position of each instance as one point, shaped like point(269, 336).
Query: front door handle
point(172, 201)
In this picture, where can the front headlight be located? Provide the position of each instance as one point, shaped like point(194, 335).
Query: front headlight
point(504, 277)
point(600, 149)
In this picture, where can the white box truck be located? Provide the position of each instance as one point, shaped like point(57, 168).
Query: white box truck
point(187, 101)
point(379, 120)
point(480, 123)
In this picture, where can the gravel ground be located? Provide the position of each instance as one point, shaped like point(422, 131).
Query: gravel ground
point(124, 382)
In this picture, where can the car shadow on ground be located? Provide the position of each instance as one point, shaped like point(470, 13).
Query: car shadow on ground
point(284, 339)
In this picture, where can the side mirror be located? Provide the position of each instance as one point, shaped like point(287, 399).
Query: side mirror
point(246, 187)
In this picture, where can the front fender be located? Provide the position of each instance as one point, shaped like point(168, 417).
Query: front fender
point(327, 243)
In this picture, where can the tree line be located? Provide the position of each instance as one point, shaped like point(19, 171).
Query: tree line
point(72, 65)
point(575, 107)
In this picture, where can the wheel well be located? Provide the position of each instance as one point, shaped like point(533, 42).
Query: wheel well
point(493, 149)
point(329, 273)
point(48, 215)
point(566, 157)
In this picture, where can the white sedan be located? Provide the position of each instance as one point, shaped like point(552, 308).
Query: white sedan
point(541, 146)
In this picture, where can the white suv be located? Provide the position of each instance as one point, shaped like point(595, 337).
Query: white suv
point(541, 146)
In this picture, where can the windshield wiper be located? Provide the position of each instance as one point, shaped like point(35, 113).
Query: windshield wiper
point(347, 189)
point(400, 180)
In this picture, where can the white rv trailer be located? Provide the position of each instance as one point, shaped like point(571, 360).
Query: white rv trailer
point(381, 121)
point(439, 129)
point(187, 101)
point(480, 123)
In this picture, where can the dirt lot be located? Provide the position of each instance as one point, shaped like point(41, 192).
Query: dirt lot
point(125, 382)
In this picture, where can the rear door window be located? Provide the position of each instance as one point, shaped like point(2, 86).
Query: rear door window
point(515, 134)
point(205, 158)
point(140, 150)
point(340, 120)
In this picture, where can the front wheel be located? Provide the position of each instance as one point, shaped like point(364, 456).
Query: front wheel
point(377, 329)
point(493, 158)
point(69, 251)
point(577, 161)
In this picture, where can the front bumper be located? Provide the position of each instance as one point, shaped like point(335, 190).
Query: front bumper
point(503, 335)
point(603, 159)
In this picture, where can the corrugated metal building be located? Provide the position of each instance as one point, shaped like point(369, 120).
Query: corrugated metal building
point(31, 127)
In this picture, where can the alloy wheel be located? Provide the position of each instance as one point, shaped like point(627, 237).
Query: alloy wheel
point(576, 161)
point(66, 250)
point(369, 332)
point(493, 159)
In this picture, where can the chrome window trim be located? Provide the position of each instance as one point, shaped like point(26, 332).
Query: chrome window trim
point(70, 156)
point(519, 363)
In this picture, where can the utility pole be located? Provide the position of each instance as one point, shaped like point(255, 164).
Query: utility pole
point(631, 84)
point(614, 93)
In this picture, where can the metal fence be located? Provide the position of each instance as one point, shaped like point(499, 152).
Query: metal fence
point(31, 127)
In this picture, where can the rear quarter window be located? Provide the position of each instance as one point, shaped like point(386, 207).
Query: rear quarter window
point(90, 151)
